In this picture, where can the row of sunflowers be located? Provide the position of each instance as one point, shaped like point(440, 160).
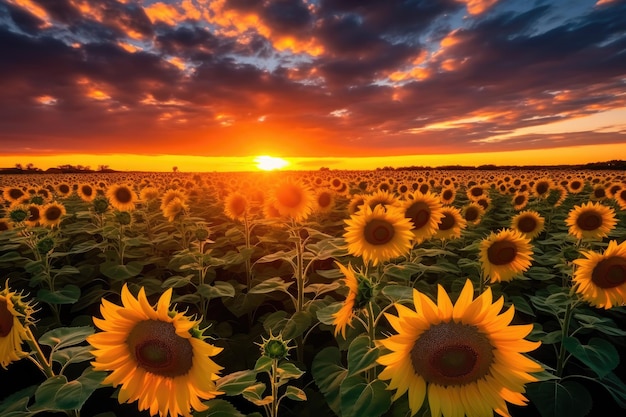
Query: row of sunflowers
point(348, 293)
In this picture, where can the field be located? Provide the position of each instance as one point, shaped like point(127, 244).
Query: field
point(348, 293)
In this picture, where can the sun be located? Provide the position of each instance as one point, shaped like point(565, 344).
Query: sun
point(270, 163)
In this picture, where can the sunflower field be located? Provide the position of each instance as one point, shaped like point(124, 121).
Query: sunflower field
point(322, 293)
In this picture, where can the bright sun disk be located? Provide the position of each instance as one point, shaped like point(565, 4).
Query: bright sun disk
point(270, 163)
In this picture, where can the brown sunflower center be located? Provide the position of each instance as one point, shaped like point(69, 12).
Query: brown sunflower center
point(471, 214)
point(599, 193)
point(418, 213)
point(15, 193)
point(520, 199)
point(378, 232)
point(87, 190)
point(238, 206)
point(52, 213)
point(446, 195)
point(610, 272)
point(502, 252)
point(589, 220)
point(542, 188)
point(33, 214)
point(324, 200)
point(289, 196)
point(157, 348)
point(123, 195)
point(6, 318)
point(452, 354)
point(64, 188)
point(476, 191)
point(575, 185)
point(527, 224)
point(447, 222)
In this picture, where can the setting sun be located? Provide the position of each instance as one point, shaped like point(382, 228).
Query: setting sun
point(270, 163)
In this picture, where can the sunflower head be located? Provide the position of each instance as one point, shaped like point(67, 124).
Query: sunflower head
point(123, 218)
point(505, 254)
point(236, 206)
point(275, 347)
point(424, 212)
point(45, 245)
point(529, 223)
point(52, 214)
point(100, 205)
point(361, 291)
point(19, 214)
point(293, 199)
point(591, 220)
point(466, 356)
point(16, 314)
point(121, 197)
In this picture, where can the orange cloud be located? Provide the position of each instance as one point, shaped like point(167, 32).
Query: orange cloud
point(475, 7)
point(34, 9)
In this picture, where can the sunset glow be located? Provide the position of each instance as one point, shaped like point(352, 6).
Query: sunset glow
point(207, 85)
point(270, 163)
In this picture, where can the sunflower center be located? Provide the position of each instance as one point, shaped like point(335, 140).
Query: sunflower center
point(324, 200)
point(53, 213)
point(123, 195)
point(471, 214)
point(542, 188)
point(526, 224)
point(447, 222)
point(87, 190)
point(238, 206)
point(520, 199)
point(33, 213)
point(502, 252)
point(599, 193)
point(419, 214)
point(610, 272)
point(289, 196)
point(15, 193)
point(157, 348)
point(589, 220)
point(6, 318)
point(476, 191)
point(452, 354)
point(378, 232)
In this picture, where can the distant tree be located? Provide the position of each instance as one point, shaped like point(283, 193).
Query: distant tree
point(175, 168)
point(30, 166)
point(19, 166)
point(103, 167)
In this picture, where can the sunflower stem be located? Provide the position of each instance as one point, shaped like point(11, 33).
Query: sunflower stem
point(569, 310)
point(44, 364)
point(274, 382)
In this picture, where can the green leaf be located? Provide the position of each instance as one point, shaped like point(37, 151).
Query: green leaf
point(599, 355)
point(17, 403)
point(66, 295)
point(62, 337)
point(287, 371)
point(263, 364)
point(296, 325)
point(217, 290)
point(398, 293)
point(616, 388)
point(522, 305)
point(119, 272)
point(254, 394)
point(72, 354)
point(236, 382)
point(271, 285)
point(362, 399)
point(219, 408)
point(325, 314)
point(280, 255)
point(295, 394)
point(601, 324)
point(557, 399)
point(361, 356)
point(177, 281)
point(328, 375)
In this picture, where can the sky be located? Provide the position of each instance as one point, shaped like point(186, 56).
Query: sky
point(347, 84)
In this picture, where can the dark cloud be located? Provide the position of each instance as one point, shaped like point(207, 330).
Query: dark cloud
point(133, 84)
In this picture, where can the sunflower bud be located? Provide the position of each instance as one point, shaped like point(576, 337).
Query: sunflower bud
point(275, 347)
point(18, 214)
point(100, 205)
point(123, 218)
point(202, 234)
point(365, 291)
point(45, 245)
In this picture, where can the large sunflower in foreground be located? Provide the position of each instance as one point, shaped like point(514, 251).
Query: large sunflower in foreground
point(601, 278)
point(590, 221)
point(157, 356)
point(505, 254)
point(378, 235)
point(466, 358)
point(15, 316)
point(360, 291)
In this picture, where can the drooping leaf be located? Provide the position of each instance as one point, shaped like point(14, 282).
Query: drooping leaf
point(599, 354)
point(328, 374)
point(560, 398)
point(362, 399)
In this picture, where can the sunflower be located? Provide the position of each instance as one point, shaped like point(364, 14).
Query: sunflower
point(447, 195)
point(13, 194)
point(505, 254)
point(170, 195)
point(360, 292)
point(529, 223)
point(121, 197)
point(236, 206)
point(466, 358)
point(424, 212)
point(15, 317)
point(381, 197)
point(355, 204)
point(590, 221)
point(148, 194)
point(5, 224)
point(175, 208)
point(598, 193)
point(473, 213)
point(324, 200)
point(63, 189)
point(157, 355)
point(601, 278)
point(378, 235)
point(542, 188)
point(520, 200)
point(451, 225)
point(475, 192)
point(52, 214)
point(293, 199)
point(575, 185)
point(620, 197)
point(34, 215)
point(86, 192)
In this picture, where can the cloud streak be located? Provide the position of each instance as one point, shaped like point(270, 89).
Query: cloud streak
point(309, 78)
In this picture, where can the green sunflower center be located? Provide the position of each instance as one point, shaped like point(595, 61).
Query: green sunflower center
point(447, 222)
point(378, 232)
point(157, 348)
point(123, 195)
point(418, 213)
point(6, 318)
point(610, 272)
point(502, 252)
point(289, 196)
point(452, 354)
point(527, 224)
point(589, 220)
point(52, 213)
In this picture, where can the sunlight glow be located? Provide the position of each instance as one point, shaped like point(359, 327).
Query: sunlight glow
point(270, 163)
